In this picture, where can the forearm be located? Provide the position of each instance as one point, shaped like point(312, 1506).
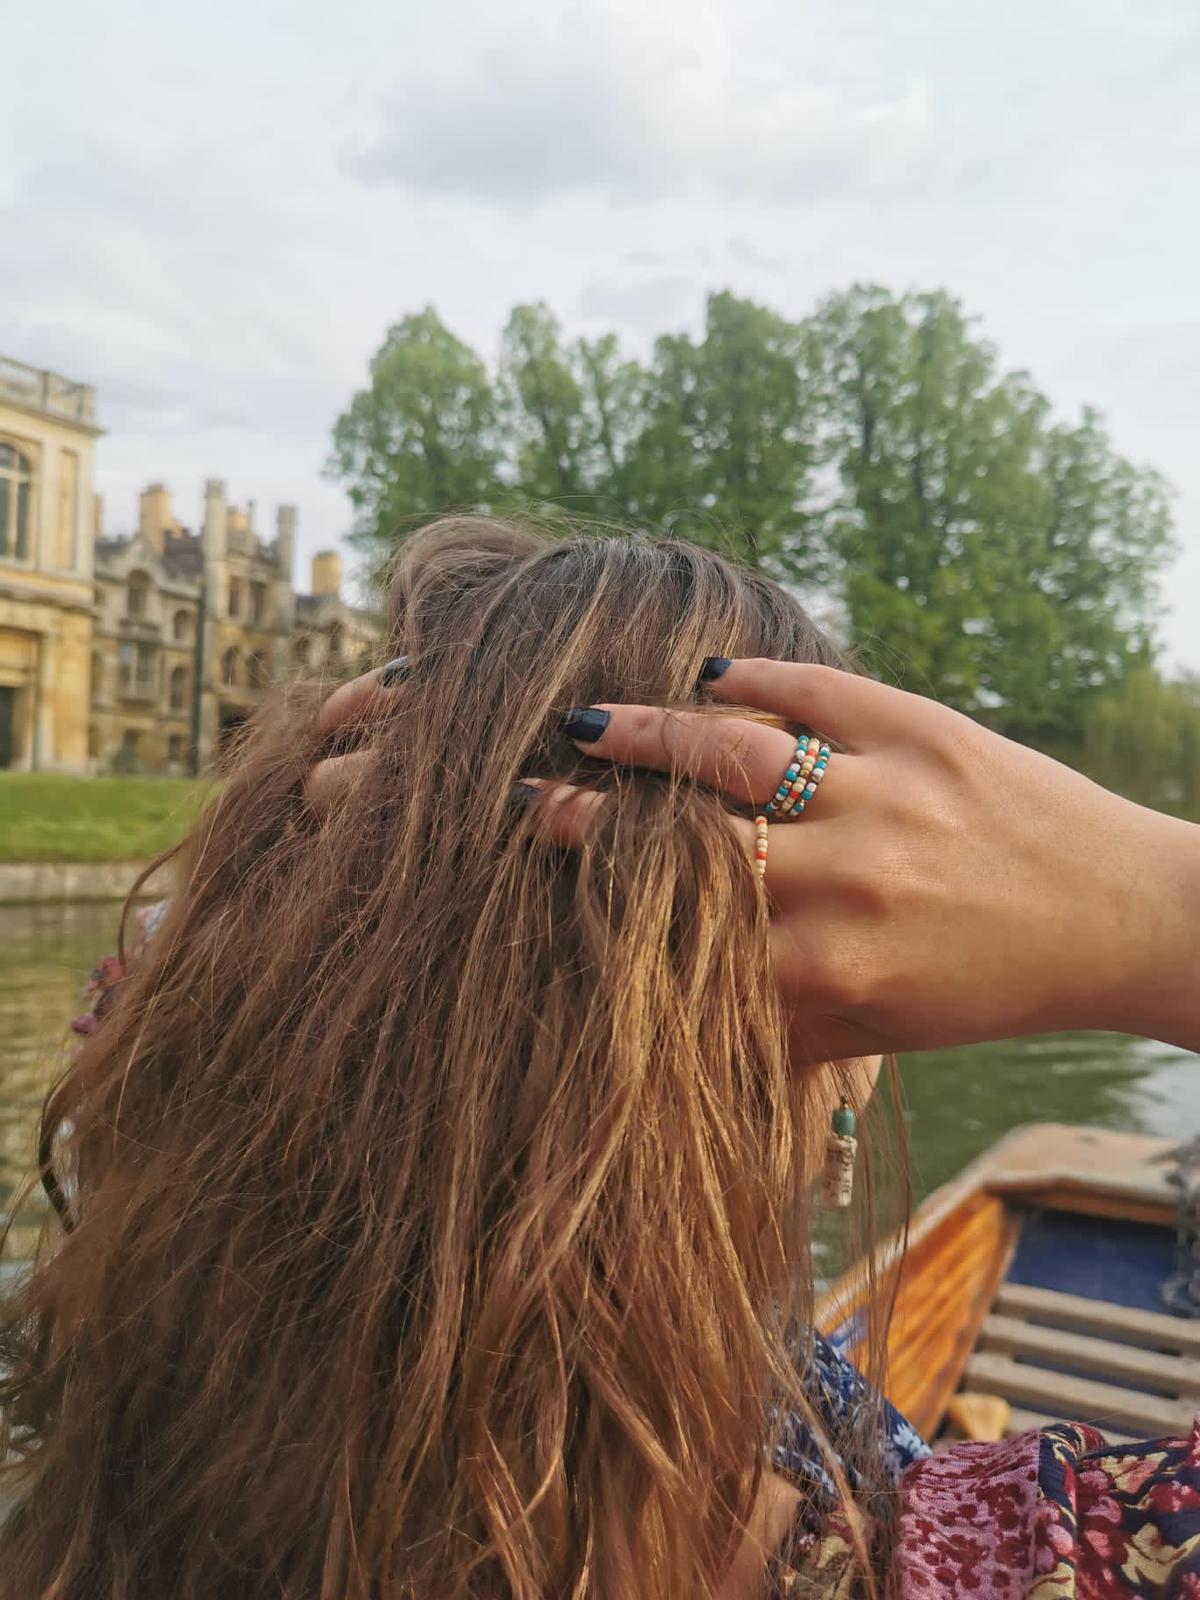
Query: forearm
point(1158, 991)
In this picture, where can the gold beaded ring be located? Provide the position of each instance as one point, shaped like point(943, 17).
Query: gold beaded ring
point(760, 846)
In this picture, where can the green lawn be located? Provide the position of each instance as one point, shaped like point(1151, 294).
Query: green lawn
point(44, 817)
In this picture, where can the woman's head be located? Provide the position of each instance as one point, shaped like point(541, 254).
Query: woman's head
point(441, 1192)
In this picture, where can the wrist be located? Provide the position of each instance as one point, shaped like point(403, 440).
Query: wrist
point(1155, 987)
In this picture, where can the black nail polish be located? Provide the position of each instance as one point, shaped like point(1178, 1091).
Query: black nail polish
point(714, 667)
point(521, 794)
point(585, 723)
point(393, 672)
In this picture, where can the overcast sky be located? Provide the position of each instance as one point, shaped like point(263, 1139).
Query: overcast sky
point(213, 212)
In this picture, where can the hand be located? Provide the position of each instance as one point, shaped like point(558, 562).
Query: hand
point(946, 885)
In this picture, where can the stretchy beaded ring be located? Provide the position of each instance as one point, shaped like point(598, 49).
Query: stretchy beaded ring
point(800, 763)
point(803, 789)
point(760, 846)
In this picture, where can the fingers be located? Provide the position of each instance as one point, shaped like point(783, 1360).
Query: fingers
point(563, 813)
point(354, 700)
point(742, 759)
point(854, 711)
point(330, 780)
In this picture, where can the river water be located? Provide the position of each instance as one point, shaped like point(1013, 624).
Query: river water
point(958, 1101)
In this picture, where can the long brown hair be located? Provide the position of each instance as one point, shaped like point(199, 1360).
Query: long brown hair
point(442, 1218)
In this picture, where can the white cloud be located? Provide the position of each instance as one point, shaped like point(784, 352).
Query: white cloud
point(215, 213)
point(638, 101)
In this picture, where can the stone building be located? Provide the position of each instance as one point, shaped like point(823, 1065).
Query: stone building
point(48, 431)
point(329, 637)
point(140, 653)
point(216, 608)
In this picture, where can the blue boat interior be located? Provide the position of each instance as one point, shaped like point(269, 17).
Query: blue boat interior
point(1100, 1258)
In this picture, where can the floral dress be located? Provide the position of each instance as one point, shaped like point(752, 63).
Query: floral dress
point(1055, 1514)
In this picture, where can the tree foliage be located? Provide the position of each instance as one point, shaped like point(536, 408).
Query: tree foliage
point(982, 550)
point(423, 438)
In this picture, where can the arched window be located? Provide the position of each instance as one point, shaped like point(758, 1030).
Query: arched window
point(16, 491)
point(138, 594)
point(235, 597)
point(301, 654)
point(178, 689)
point(97, 675)
point(231, 663)
point(181, 627)
point(257, 668)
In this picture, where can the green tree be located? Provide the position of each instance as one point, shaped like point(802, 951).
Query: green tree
point(546, 429)
point(1143, 740)
point(999, 562)
point(984, 553)
point(727, 449)
point(422, 438)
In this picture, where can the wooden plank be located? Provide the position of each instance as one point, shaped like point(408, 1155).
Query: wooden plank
point(1084, 1168)
point(1134, 1366)
point(1031, 1421)
point(936, 1310)
point(1154, 1330)
point(946, 1288)
point(1082, 1398)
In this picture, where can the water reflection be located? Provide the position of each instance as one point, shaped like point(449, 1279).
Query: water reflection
point(46, 953)
point(959, 1101)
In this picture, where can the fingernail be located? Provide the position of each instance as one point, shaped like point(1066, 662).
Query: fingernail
point(522, 793)
point(714, 667)
point(393, 672)
point(585, 723)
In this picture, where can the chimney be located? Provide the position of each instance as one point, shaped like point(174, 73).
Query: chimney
point(215, 519)
point(326, 572)
point(155, 515)
point(285, 541)
point(251, 507)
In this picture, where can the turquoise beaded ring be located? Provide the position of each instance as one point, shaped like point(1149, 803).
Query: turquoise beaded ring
point(802, 778)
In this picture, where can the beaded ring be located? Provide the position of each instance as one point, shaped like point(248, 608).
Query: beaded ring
point(760, 846)
point(806, 784)
point(802, 778)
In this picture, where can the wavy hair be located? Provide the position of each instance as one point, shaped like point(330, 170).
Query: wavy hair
point(442, 1213)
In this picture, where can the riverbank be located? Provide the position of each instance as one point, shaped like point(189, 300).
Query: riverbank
point(30, 883)
point(70, 823)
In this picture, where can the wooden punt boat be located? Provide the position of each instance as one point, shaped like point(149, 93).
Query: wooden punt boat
point(1034, 1278)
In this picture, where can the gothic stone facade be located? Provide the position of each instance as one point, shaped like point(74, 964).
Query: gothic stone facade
point(153, 635)
point(103, 641)
point(47, 436)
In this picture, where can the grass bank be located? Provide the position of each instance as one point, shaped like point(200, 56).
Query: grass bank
point(46, 817)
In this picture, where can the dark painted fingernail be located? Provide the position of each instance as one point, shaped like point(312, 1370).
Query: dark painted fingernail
point(585, 723)
point(393, 672)
point(714, 667)
point(522, 793)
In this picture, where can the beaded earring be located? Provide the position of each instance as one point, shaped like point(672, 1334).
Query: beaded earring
point(837, 1188)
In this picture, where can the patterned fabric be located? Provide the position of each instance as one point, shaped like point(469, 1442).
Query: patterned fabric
point(1051, 1515)
point(108, 974)
point(838, 1392)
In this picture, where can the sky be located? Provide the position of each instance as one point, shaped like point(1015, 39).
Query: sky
point(214, 212)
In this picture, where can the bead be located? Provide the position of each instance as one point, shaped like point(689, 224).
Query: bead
point(844, 1122)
